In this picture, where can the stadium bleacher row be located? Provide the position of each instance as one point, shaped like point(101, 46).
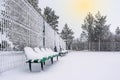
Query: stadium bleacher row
point(42, 55)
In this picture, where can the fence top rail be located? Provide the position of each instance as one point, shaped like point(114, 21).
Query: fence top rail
point(11, 52)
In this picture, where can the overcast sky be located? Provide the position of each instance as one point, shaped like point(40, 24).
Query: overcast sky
point(73, 12)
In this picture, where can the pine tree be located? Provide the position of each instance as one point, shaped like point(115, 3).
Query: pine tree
point(117, 30)
point(117, 39)
point(101, 29)
point(34, 3)
point(51, 17)
point(88, 26)
point(117, 35)
point(96, 28)
point(67, 35)
point(83, 36)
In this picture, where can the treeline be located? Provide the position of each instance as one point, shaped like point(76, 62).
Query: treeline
point(96, 35)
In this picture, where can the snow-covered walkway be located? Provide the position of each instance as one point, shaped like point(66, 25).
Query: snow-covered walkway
point(74, 66)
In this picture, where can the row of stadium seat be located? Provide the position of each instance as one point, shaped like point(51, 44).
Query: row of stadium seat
point(37, 55)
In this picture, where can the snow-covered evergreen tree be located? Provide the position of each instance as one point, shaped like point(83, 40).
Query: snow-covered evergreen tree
point(67, 35)
point(51, 17)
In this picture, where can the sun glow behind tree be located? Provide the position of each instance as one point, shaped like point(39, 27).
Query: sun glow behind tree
point(82, 7)
point(73, 12)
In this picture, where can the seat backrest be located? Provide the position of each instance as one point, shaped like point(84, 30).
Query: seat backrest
point(51, 50)
point(30, 54)
point(47, 49)
point(43, 50)
point(37, 50)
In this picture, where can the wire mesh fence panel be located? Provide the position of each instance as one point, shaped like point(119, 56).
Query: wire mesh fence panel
point(97, 46)
point(10, 60)
point(21, 25)
point(57, 41)
point(52, 38)
point(49, 37)
point(104, 46)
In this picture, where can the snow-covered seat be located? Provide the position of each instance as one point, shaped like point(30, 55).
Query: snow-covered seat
point(63, 52)
point(51, 54)
point(55, 54)
point(33, 57)
point(50, 51)
point(46, 52)
point(40, 52)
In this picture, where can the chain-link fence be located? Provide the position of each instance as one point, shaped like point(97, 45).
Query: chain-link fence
point(97, 46)
point(10, 60)
point(105, 46)
point(21, 25)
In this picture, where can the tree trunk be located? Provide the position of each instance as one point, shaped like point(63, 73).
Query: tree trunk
point(99, 44)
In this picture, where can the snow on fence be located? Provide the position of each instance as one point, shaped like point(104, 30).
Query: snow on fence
point(49, 36)
point(21, 25)
point(10, 60)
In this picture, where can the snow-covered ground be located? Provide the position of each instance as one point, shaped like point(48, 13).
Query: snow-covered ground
point(74, 66)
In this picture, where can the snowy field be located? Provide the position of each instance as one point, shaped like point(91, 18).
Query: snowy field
point(74, 66)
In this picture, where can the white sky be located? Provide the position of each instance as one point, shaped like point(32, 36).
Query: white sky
point(69, 15)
